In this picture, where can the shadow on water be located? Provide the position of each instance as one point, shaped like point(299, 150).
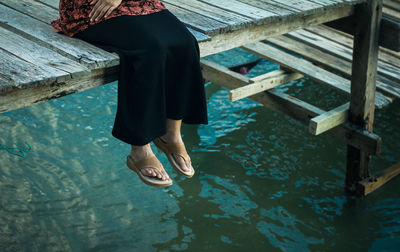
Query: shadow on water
point(262, 183)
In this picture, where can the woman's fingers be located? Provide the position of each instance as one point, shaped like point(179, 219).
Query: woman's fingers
point(99, 12)
point(102, 8)
point(108, 12)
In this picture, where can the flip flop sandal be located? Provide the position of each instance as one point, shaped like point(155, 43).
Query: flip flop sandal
point(176, 149)
point(150, 161)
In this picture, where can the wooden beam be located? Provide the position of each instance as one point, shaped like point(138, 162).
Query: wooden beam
point(307, 68)
point(364, 70)
point(267, 81)
point(331, 62)
point(329, 120)
point(232, 39)
point(389, 35)
point(16, 98)
point(372, 183)
point(291, 106)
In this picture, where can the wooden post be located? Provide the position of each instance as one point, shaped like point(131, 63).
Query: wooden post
point(364, 68)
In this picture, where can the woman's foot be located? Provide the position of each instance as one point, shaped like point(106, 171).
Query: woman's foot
point(139, 152)
point(175, 137)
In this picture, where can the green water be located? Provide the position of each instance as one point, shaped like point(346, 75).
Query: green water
point(262, 182)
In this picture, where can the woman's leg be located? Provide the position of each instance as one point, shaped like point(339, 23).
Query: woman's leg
point(173, 135)
point(160, 75)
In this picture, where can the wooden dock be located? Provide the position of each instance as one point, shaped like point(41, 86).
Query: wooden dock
point(39, 64)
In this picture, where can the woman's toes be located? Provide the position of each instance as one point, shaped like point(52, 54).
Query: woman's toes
point(181, 163)
point(165, 175)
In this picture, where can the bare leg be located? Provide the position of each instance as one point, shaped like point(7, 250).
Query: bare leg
point(141, 151)
point(173, 135)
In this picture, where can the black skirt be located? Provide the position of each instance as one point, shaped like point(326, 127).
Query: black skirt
point(159, 74)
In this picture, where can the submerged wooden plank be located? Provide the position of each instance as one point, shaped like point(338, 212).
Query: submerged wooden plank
point(302, 66)
point(370, 184)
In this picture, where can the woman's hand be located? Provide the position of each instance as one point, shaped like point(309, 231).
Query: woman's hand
point(103, 8)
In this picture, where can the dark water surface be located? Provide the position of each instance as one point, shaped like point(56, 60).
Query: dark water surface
point(262, 183)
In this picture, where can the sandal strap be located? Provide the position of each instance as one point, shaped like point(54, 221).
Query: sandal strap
point(177, 149)
point(150, 161)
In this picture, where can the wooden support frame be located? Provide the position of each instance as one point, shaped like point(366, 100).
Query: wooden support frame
point(372, 183)
point(307, 68)
point(363, 82)
point(262, 83)
point(20, 98)
point(329, 120)
point(291, 106)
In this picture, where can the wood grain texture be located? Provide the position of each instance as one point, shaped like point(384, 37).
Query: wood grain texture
point(364, 70)
point(307, 68)
point(291, 106)
point(329, 120)
point(370, 184)
point(331, 62)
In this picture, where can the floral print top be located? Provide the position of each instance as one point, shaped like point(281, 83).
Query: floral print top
point(74, 14)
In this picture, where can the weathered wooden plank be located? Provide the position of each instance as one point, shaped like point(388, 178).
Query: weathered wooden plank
point(49, 11)
point(389, 35)
point(301, 5)
point(385, 69)
point(243, 9)
point(392, 4)
point(43, 34)
point(33, 9)
point(302, 66)
point(16, 72)
point(329, 120)
point(347, 41)
point(364, 70)
point(51, 3)
point(39, 55)
point(229, 40)
point(235, 21)
point(303, 111)
point(262, 83)
point(383, 85)
point(290, 106)
point(16, 98)
point(270, 6)
point(197, 22)
point(200, 37)
point(372, 183)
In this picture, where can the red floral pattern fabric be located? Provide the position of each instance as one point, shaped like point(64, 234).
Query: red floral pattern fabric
point(74, 14)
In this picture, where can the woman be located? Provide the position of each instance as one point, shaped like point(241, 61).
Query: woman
point(160, 81)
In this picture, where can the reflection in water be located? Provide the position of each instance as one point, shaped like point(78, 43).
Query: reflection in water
point(262, 181)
